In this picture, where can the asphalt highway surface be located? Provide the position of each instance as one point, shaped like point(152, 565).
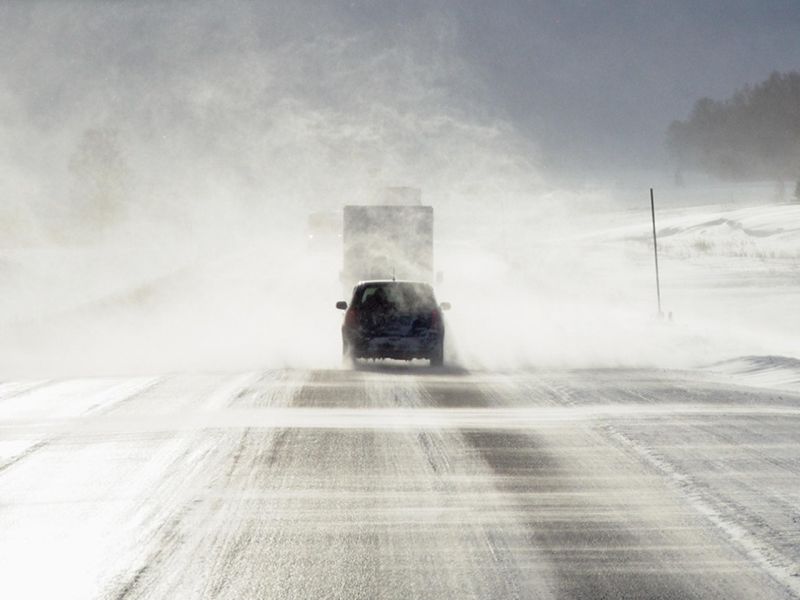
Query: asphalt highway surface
point(399, 481)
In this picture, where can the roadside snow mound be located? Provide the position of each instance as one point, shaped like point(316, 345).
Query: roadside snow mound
point(763, 371)
point(769, 231)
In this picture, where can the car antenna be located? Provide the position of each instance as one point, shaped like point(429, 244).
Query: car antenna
point(393, 277)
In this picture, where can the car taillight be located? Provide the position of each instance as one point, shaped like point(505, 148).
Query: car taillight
point(351, 318)
point(436, 318)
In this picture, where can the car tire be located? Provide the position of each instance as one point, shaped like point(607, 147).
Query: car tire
point(437, 357)
point(347, 355)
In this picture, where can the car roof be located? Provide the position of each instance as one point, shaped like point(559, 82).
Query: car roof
point(373, 281)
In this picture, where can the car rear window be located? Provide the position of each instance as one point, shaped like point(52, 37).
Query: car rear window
point(396, 296)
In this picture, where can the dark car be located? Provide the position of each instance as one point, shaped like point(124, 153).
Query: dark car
point(393, 319)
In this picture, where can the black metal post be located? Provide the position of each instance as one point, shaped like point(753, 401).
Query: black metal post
point(655, 249)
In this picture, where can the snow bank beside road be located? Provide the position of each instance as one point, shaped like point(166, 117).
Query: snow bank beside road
point(766, 231)
point(780, 372)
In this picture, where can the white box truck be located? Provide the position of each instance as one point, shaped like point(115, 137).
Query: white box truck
point(387, 242)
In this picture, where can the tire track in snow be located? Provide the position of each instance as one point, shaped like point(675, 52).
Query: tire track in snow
point(175, 526)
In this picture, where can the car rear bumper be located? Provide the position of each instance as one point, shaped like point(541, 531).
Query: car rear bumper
point(400, 348)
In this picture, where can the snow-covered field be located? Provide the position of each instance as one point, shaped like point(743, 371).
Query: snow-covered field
point(582, 292)
point(538, 290)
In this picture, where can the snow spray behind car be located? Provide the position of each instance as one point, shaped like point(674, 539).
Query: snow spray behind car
point(387, 242)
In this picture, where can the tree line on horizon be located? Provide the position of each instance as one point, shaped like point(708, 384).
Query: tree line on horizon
point(753, 135)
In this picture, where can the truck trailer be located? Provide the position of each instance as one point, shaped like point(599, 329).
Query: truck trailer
point(387, 242)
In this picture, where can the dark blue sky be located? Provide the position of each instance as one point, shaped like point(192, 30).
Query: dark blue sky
point(599, 81)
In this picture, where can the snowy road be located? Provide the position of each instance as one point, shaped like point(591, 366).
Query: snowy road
point(399, 483)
